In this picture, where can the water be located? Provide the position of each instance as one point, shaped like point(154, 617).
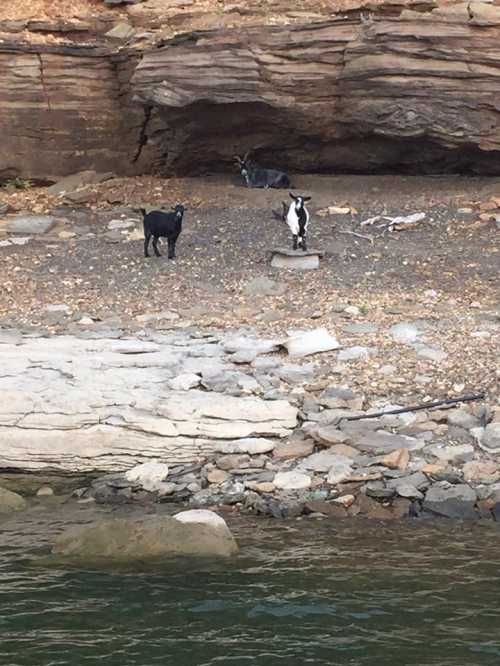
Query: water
point(299, 593)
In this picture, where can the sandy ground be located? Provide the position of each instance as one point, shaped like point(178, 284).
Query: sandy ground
point(443, 272)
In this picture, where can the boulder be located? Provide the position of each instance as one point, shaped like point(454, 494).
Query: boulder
point(10, 501)
point(148, 539)
point(456, 502)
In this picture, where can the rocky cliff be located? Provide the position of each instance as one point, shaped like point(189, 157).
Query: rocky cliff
point(407, 86)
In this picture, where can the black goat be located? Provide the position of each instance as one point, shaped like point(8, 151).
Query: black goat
point(159, 224)
point(259, 177)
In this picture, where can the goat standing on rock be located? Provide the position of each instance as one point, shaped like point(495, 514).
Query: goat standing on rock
point(159, 224)
point(298, 220)
point(258, 177)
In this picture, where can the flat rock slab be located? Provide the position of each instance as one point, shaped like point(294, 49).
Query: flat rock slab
point(74, 404)
point(28, 224)
point(295, 259)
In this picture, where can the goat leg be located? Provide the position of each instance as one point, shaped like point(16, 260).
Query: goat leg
point(171, 249)
point(155, 246)
point(295, 238)
point(147, 238)
point(304, 245)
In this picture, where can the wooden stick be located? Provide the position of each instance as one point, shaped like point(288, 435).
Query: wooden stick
point(416, 408)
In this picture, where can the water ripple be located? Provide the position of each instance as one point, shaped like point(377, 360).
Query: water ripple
point(299, 593)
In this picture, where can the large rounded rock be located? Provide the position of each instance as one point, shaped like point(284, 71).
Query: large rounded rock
point(147, 539)
point(10, 501)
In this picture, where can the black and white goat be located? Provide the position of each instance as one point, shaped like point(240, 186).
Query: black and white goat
point(259, 177)
point(298, 220)
point(159, 224)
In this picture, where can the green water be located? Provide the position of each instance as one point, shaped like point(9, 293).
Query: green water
point(308, 592)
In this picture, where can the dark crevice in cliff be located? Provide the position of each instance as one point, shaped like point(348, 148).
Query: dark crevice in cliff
point(43, 82)
point(143, 136)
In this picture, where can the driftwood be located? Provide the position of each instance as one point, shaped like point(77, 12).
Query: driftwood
point(416, 408)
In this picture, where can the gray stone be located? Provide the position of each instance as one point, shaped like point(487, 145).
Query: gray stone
point(378, 490)
point(459, 453)
point(293, 449)
point(454, 502)
point(297, 374)
point(328, 435)
point(145, 539)
point(436, 355)
point(323, 461)
point(292, 481)
point(339, 472)
point(383, 442)
point(463, 419)
point(490, 439)
point(353, 353)
point(405, 332)
point(264, 286)
point(405, 489)
point(244, 356)
point(10, 501)
point(28, 224)
point(336, 397)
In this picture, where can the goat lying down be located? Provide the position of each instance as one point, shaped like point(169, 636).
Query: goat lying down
point(159, 224)
point(259, 177)
point(297, 219)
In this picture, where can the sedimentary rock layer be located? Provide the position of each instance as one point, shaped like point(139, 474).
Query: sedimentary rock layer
point(77, 405)
point(411, 90)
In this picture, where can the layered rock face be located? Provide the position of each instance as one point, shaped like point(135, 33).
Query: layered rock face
point(78, 405)
point(405, 90)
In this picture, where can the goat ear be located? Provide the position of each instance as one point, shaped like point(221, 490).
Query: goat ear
point(307, 198)
point(292, 196)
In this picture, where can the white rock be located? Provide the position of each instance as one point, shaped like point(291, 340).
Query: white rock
point(339, 472)
point(185, 381)
point(250, 445)
point(203, 516)
point(150, 475)
point(304, 343)
point(20, 240)
point(352, 310)
point(121, 224)
point(431, 354)
point(353, 353)
point(292, 481)
point(323, 461)
point(404, 332)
